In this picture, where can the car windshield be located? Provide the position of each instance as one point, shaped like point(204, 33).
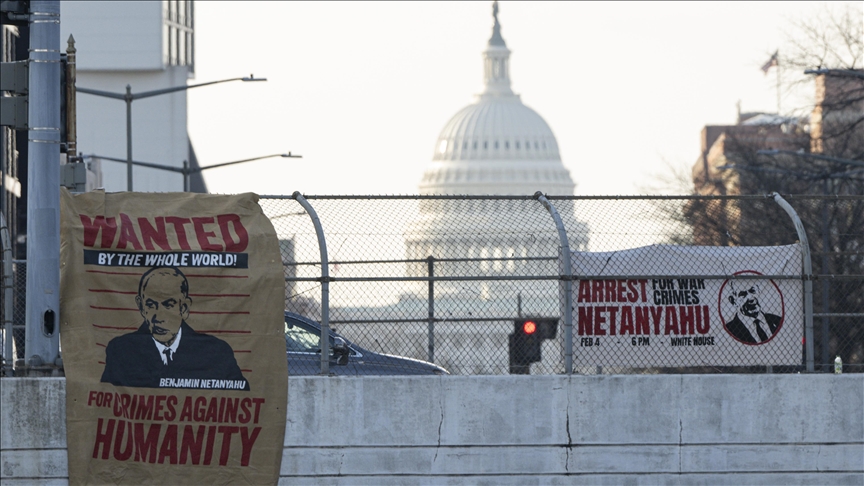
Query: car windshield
point(300, 340)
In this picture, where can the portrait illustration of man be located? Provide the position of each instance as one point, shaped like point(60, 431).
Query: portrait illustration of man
point(165, 350)
point(750, 324)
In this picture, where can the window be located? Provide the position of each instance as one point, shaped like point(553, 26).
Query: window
point(178, 40)
point(517, 145)
point(300, 340)
point(181, 48)
point(507, 145)
point(485, 145)
point(172, 50)
point(475, 144)
point(496, 144)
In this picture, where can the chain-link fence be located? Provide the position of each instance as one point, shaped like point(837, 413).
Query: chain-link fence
point(13, 307)
point(450, 279)
point(455, 280)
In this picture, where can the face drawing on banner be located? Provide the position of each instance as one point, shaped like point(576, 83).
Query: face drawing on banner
point(750, 324)
point(165, 346)
point(163, 300)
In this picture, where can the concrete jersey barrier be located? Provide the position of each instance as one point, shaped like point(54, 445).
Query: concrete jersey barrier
point(608, 429)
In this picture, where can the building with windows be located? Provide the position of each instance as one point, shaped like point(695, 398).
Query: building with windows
point(147, 46)
point(733, 158)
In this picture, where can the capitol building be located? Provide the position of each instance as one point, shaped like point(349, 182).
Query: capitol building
point(492, 258)
point(494, 146)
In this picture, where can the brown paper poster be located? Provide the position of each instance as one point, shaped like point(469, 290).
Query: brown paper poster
point(172, 336)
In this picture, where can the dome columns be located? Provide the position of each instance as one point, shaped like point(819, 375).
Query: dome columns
point(496, 71)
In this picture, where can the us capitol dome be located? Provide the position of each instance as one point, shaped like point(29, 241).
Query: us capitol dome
point(494, 146)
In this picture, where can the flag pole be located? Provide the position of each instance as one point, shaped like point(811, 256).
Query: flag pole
point(777, 61)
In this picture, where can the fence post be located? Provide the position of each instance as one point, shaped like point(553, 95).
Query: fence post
point(8, 333)
point(325, 283)
point(826, 301)
point(430, 264)
point(808, 278)
point(567, 276)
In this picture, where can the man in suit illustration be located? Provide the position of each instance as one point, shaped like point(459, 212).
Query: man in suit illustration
point(751, 325)
point(165, 351)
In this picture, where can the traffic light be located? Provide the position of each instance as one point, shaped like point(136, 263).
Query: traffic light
point(528, 335)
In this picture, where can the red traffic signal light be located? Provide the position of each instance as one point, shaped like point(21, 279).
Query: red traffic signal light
point(526, 340)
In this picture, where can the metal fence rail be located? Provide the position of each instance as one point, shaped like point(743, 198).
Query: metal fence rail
point(445, 278)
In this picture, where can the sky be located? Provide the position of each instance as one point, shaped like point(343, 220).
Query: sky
point(362, 89)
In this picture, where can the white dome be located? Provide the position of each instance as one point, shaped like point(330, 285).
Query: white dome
point(497, 145)
point(496, 127)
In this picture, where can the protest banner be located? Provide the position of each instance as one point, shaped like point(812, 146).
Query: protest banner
point(172, 335)
point(701, 306)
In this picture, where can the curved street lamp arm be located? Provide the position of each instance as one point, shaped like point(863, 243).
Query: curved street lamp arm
point(223, 164)
point(811, 156)
point(157, 92)
point(810, 176)
point(798, 174)
point(135, 162)
point(106, 94)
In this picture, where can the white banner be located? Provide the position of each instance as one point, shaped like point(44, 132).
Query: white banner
point(683, 318)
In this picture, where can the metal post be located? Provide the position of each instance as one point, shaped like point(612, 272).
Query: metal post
point(71, 110)
point(325, 283)
point(779, 67)
point(807, 277)
point(43, 187)
point(8, 282)
point(186, 183)
point(128, 99)
point(430, 265)
point(826, 302)
point(567, 276)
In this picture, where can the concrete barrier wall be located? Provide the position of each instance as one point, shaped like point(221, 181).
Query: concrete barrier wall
point(517, 430)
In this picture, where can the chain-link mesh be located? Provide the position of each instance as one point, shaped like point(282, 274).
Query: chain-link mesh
point(447, 278)
point(835, 228)
point(12, 348)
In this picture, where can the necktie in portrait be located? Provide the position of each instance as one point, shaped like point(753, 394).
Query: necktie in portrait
point(763, 336)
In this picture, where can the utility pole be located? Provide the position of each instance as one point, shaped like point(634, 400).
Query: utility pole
point(42, 342)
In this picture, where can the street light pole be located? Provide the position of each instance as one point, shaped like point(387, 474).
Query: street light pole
point(186, 170)
point(128, 137)
point(129, 97)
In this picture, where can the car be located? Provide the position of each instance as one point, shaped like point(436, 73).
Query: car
point(304, 355)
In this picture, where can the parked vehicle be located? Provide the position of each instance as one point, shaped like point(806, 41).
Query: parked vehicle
point(304, 356)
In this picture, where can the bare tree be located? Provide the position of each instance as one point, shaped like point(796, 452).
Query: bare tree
point(816, 159)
